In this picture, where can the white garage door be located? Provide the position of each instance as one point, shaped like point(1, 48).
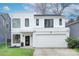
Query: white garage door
point(47, 40)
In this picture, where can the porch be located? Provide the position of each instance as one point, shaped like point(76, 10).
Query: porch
point(23, 39)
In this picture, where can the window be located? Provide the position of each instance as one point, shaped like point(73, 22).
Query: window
point(37, 22)
point(16, 38)
point(60, 21)
point(48, 23)
point(16, 23)
point(26, 22)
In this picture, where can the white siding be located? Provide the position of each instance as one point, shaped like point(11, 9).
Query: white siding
point(55, 18)
point(39, 33)
point(22, 17)
point(32, 21)
point(41, 23)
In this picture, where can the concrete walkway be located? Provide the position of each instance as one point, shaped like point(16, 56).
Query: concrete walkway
point(55, 52)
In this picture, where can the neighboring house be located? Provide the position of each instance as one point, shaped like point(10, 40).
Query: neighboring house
point(32, 30)
point(5, 27)
point(74, 28)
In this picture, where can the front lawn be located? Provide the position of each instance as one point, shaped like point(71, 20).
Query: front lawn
point(77, 50)
point(15, 51)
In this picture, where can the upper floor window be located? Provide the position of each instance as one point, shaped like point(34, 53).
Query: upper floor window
point(26, 22)
point(48, 23)
point(16, 23)
point(60, 21)
point(37, 22)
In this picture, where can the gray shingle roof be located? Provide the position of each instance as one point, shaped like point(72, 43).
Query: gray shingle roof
point(72, 23)
point(47, 15)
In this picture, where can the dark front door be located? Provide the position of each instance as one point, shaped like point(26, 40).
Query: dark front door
point(27, 40)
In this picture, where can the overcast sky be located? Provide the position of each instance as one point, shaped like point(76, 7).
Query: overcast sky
point(18, 7)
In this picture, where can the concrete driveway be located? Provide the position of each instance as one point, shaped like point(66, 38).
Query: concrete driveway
point(55, 52)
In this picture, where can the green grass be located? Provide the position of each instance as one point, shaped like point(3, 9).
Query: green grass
point(77, 50)
point(15, 51)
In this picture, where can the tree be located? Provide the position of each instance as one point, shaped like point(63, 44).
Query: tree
point(71, 20)
point(54, 8)
point(77, 18)
point(5, 30)
point(40, 8)
point(58, 8)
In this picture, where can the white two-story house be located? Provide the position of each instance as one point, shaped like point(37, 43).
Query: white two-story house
point(42, 31)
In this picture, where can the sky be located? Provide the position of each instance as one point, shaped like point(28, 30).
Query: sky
point(20, 7)
point(15, 7)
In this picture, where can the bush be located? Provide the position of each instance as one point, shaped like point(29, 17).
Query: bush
point(72, 42)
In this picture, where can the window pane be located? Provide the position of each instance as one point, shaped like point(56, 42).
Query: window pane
point(60, 21)
point(45, 23)
point(51, 23)
point(16, 38)
point(26, 22)
point(37, 22)
point(16, 23)
point(48, 23)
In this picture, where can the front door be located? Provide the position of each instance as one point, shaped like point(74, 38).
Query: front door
point(27, 40)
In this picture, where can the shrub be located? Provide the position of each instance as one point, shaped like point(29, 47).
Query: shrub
point(72, 42)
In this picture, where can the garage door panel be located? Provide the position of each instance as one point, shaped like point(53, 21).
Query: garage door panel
point(48, 40)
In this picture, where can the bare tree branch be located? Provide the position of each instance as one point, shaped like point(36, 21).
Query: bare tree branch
point(40, 8)
point(51, 8)
point(59, 7)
